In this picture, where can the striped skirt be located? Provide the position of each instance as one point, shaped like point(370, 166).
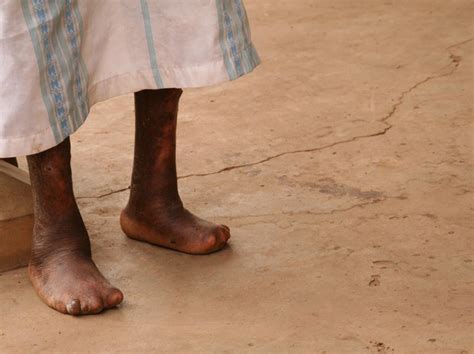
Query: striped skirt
point(59, 57)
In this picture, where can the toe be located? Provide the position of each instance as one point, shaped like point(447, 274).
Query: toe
point(84, 308)
point(92, 305)
point(211, 243)
point(59, 306)
point(113, 298)
point(74, 307)
point(96, 305)
point(226, 232)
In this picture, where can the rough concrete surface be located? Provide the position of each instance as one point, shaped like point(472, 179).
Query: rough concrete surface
point(343, 166)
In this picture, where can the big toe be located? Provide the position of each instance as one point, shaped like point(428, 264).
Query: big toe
point(114, 298)
point(217, 239)
point(225, 230)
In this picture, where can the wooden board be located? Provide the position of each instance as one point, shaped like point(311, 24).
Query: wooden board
point(16, 217)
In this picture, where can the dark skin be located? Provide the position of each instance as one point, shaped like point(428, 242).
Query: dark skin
point(155, 212)
point(61, 267)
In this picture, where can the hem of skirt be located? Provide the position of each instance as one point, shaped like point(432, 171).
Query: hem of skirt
point(209, 74)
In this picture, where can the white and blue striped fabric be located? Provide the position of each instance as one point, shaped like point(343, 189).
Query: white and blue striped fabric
point(59, 57)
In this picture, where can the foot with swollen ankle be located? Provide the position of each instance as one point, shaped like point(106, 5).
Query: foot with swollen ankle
point(61, 268)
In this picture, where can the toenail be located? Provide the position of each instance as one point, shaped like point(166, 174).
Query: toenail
point(227, 236)
point(226, 232)
point(74, 307)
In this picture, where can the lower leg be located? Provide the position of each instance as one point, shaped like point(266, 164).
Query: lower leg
point(61, 268)
point(155, 212)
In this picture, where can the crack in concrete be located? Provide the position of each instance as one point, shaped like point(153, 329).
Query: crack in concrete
point(456, 60)
point(105, 194)
point(460, 43)
point(313, 213)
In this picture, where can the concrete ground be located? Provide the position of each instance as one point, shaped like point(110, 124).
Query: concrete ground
point(343, 166)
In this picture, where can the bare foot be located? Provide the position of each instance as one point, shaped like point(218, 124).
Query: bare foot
point(155, 213)
point(61, 267)
point(64, 275)
point(175, 228)
point(72, 284)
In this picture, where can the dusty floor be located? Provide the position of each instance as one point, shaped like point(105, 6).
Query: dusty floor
point(344, 167)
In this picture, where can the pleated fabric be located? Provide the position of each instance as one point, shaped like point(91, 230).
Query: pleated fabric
point(60, 57)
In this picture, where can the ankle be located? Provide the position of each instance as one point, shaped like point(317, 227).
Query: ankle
point(44, 253)
point(155, 201)
point(60, 237)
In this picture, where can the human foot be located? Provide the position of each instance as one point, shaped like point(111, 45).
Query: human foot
point(70, 282)
point(175, 228)
point(61, 267)
point(155, 213)
point(62, 271)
